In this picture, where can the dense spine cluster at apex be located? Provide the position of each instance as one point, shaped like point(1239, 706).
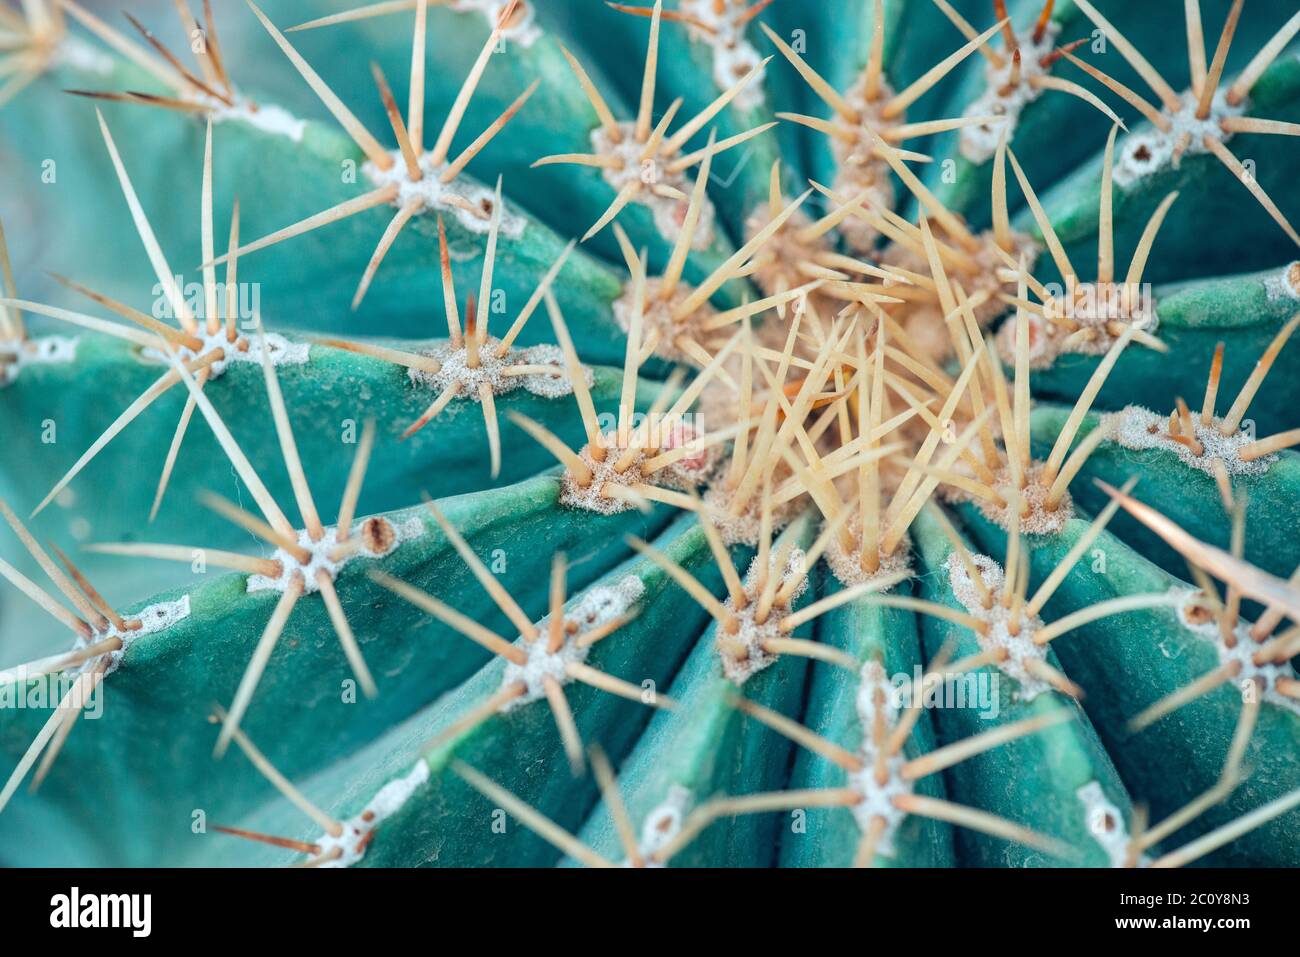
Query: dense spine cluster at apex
point(792, 459)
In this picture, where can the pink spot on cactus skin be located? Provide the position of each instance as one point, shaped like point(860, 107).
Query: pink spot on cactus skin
point(680, 435)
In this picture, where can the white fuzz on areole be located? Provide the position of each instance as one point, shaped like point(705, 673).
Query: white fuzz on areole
point(1037, 519)
point(857, 167)
point(686, 473)
point(266, 118)
point(872, 680)
point(1145, 153)
point(1095, 310)
point(43, 350)
point(1192, 617)
point(980, 143)
point(1139, 429)
point(596, 607)
point(1284, 284)
point(669, 212)
point(778, 261)
point(542, 663)
point(1106, 824)
point(153, 619)
point(662, 825)
point(275, 120)
point(747, 527)
point(493, 370)
point(245, 349)
point(750, 633)
point(471, 203)
point(990, 277)
point(522, 28)
point(733, 54)
point(350, 845)
point(877, 798)
point(846, 563)
point(1020, 648)
point(377, 537)
point(658, 323)
point(590, 497)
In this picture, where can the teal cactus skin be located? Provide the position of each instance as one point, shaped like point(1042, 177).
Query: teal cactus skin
point(1149, 639)
point(805, 491)
point(1195, 315)
point(1195, 502)
point(864, 631)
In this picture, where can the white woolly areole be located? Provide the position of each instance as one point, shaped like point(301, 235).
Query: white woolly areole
point(272, 119)
point(669, 214)
point(1152, 150)
point(872, 681)
point(1106, 824)
point(846, 564)
point(980, 143)
point(351, 843)
point(662, 825)
point(597, 606)
point(589, 497)
point(492, 369)
point(777, 266)
point(377, 537)
point(1037, 520)
point(733, 54)
point(452, 198)
point(657, 321)
point(680, 476)
point(989, 278)
point(750, 633)
point(281, 350)
point(523, 28)
point(1242, 653)
point(1139, 429)
point(745, 528)
point(877, 798)
point(153, 619)
point(1020, 648)
point(857, 168)
point(1099, 313)
point(1284, 284)
point(43, 350)
point(542, 663)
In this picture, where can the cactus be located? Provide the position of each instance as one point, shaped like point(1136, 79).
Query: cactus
point(739, 460)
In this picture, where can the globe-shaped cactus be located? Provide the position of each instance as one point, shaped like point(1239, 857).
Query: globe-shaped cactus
point(740, 461)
